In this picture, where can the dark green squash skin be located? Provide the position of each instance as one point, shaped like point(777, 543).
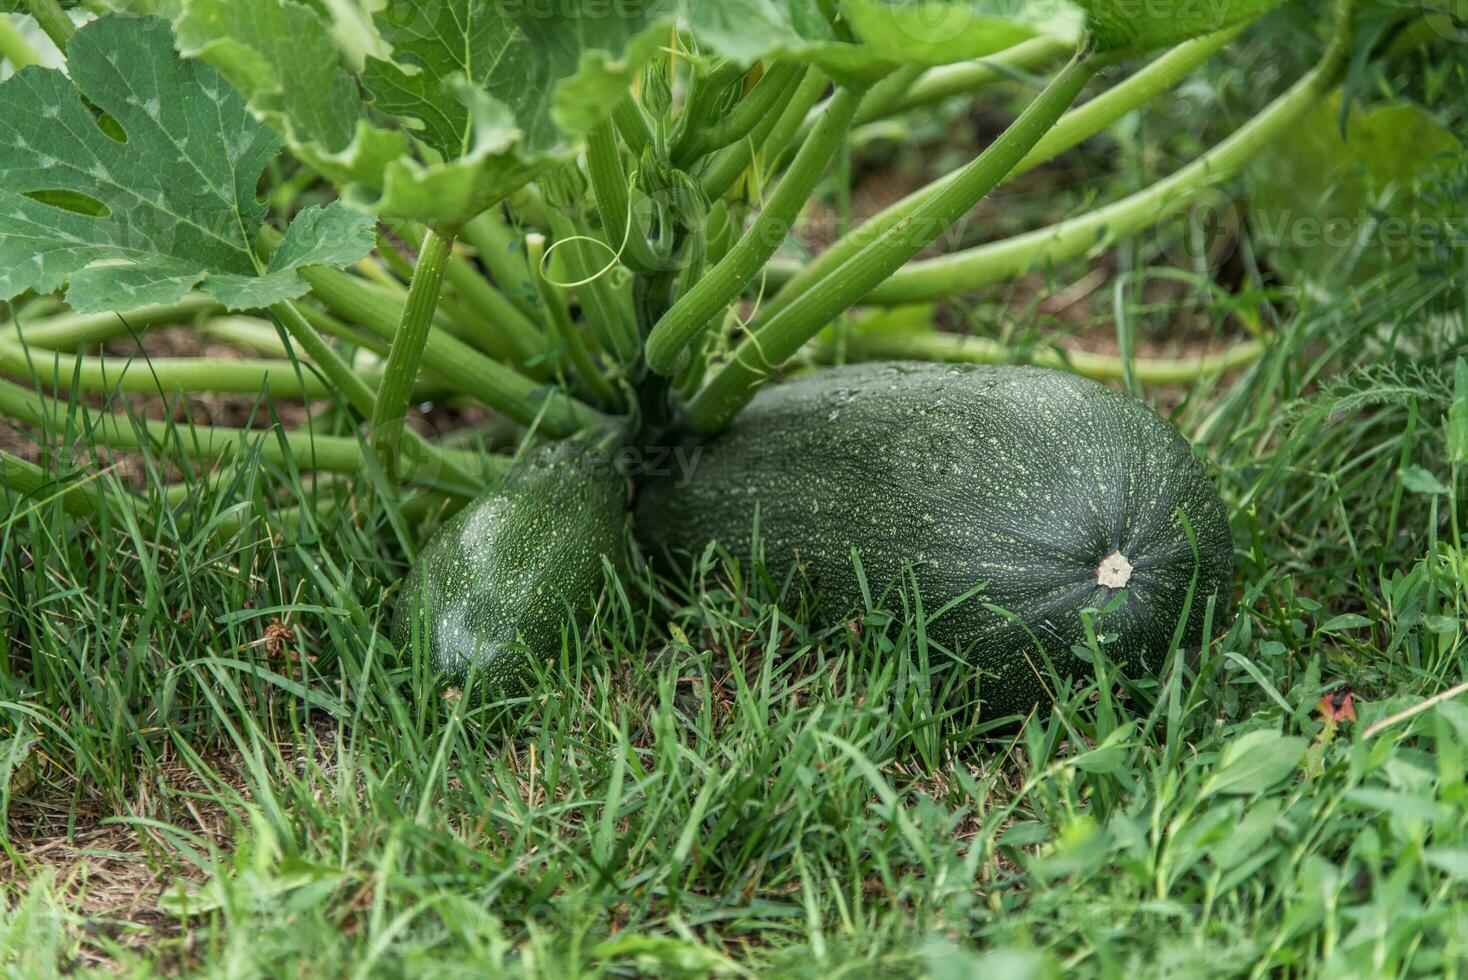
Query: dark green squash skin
point(1021, 478)
point(496, 584)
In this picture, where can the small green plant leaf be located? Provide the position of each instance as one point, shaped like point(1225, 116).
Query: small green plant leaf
point(1451, 861)
point(154, 196)
point(1254, 762)
point(1345, 621)
point(1127, 25)
point(1419, 480)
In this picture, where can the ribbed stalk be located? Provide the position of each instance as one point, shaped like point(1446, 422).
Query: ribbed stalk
point(585, 261)
point(14, 48)
point(706, 302)
point(968, 77)
point(303, 449)
point(610, 185)
point(580, 359)
point(699, 114)
point(468, 371)
point(162, 375)
point(495, 244)
point(332, 327)
point(886, 92)
point(995, 262)
point(953, 348)
point(780, 336)
point(1088, 119)
point(1076, 125)
point(79, 499)
point(495, 323)
point(747, 114)
point(53, 21)
point(774, 131)
point(354, 390)
point(390, 409)
point(632, 125)
point(75, 329)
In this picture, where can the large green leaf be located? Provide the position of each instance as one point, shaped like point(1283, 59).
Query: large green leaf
point(1337, 209)
point(1139, 25)
point(472, 98)
point(553, 75)
point(940, 32)
point(886, 32)
point(490, 92)
point(160, 201)
point(282, 58)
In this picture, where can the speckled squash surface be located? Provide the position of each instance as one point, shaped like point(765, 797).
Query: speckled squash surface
point(1053, 493)
point(496, 584)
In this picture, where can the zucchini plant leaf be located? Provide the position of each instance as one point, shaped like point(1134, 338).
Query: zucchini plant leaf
point(941, 32)
point(133, 181)
point(1337, 210)
point(281, 56)
point(474, 99)
point(887, 32)
point(1135, 26)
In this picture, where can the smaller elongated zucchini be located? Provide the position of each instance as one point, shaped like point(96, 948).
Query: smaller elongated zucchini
point(496, 585)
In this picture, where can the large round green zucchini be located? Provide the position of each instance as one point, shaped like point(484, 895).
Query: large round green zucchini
point(494, 587)
point(1031, 491)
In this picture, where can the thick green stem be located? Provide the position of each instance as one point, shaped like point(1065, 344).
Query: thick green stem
point(772, 133)
point(627, 116)
point(14, 48)
point(354, 300)
point(468, 371)
point(700, 111)
point(968, 77)
point(1086, 120)
point(777, 337)
point(350, 386)
point(884, 93)
point(495, 323)
point(953, 348)
point(388, 255)
point(332, 327)
point(495, 242)
point(585, 261)
point(53, 21)
point(79, 499)
point(619, 223)
point(706, 302)
point(762, 100)
point(390, 408)
point(162, 375)
point(76, 329)
point(961, 271)
point(306, 450)
point(580, 358)
point(1076, 125)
